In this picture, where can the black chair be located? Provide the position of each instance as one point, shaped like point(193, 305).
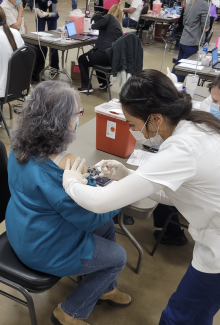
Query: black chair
point(106, 70)
point(13, 272)
point(173, 211)
point(20, 68)
point(141, 22)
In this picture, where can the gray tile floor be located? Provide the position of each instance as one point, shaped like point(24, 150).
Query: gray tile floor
point(160, 274)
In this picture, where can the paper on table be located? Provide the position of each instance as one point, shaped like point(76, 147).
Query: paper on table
point(138, 157)
point(42, 34)
point(196, 104)
point(190, 66)
point(189, 61)
point(52, 39)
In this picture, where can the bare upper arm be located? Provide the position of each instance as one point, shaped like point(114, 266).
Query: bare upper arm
point(15, 26)
point(72, 158)
point(132, 9)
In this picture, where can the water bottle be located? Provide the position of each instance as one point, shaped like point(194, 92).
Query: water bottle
point(155, 12)
point(205, 50)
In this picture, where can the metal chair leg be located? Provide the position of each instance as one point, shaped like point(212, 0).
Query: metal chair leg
point(162, 232)
point(108, 87)
point(90, 79)
point(4, 122)
point(29, 304)
point(133, 240)
point(10, 111)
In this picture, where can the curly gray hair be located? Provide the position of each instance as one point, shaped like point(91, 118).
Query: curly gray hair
point(43, 128)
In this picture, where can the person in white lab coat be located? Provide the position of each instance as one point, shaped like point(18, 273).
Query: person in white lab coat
point(211, 103)
point(10, 41)
point(185, 173)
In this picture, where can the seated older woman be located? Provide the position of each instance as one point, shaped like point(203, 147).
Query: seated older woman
point(48, 231)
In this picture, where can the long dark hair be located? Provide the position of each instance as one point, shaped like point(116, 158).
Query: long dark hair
point(150, 92)
point(214, 83)
point(7, 29)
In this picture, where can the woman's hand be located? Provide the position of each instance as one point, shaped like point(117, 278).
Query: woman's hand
point(76, 172)
point(40, 13)
point(113, 169)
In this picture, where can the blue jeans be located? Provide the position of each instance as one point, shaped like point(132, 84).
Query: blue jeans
point(101, 271)
point(128, 22)
point(74, 4)
point(52, 25)
point(196, 300)
point(184, 53)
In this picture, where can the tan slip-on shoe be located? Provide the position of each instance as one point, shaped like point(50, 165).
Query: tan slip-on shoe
point(115, 298)
point(58, 317)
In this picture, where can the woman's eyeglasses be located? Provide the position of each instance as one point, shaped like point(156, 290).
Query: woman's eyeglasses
point(81, 112)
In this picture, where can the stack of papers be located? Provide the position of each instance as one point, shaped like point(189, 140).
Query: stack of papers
point(42, 34)
point(190, 64)
point(138, 157)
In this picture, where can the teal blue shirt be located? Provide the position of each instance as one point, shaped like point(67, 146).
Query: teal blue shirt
point(48, 231)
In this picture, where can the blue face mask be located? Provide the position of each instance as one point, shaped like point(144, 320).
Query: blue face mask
point(214, 109)
point(17, 3)
point(77, 124)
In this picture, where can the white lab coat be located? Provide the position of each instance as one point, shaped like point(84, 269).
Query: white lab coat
point(5, 54)
point(184, 173)
point(205, 105)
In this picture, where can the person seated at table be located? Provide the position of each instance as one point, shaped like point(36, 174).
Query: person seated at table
point(47, 14)
point(48, 231)
point(211, 104)
point(109, 3)
point(110, 29)
point(134, 12)
point(10, 41)
point(14, 18)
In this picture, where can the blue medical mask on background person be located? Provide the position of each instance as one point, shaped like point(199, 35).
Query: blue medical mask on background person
point(153, 141)
point(17, 3)
point(214, 110)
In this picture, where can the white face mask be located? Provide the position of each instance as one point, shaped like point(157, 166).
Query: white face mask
point(153, 141)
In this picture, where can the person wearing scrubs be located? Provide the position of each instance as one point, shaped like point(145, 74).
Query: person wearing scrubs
point(47, 13)
point(185, 173)
point(211, 104)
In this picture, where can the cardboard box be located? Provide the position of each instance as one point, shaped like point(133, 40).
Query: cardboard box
point(75, 71)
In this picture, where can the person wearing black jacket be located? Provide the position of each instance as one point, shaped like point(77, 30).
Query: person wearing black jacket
point(178, 28)
point(109, 31)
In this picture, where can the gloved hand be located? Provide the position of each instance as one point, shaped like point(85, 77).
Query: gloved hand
point(75, 172)
point(113, 169)
point(42, 14)
point(37, 11)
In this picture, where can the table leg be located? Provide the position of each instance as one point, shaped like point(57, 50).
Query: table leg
point(48, 67)
point(133, 240)
point(64, 70)
point(164, 53)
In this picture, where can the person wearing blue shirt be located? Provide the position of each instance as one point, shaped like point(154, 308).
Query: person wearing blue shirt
point(48, 231)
